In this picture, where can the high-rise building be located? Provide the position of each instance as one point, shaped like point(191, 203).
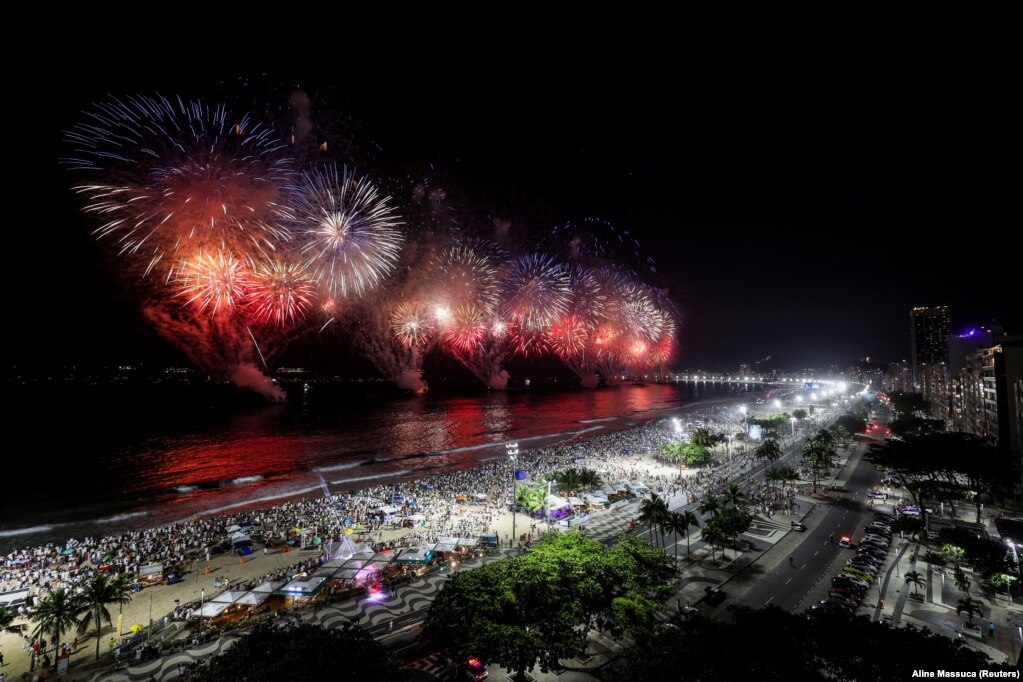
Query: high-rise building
point(928, 339)
point(992, 380)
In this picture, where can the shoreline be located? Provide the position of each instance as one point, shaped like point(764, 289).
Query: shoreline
point(135, 519)
point(618, 450)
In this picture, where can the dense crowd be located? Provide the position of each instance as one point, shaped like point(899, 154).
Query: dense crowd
point(460, 503)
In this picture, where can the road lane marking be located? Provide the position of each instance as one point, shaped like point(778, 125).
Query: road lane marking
point(769, 601)
point(788, 581)
point(817, 552)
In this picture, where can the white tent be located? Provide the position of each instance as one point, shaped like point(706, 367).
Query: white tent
point(213, 609)
point(387, 509)
point(555, 502)
point(343, 549)
point(227, 597)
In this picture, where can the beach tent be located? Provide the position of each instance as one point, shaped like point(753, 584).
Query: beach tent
point(556, 502)
point(480, 496)
point(239, 540)
point(232, 529)
point(227, 596)
point(387, 509)
point(306, 586)
point(467, 542)
point(213, 609)
point(415, 555)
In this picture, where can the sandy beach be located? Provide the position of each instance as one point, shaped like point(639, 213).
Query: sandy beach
point(616, 453)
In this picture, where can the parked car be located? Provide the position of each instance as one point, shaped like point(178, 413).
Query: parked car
point(715, 595)
point(850, 580)
point(799, 527)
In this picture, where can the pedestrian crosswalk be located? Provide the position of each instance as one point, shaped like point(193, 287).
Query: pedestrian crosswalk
point(434, 665)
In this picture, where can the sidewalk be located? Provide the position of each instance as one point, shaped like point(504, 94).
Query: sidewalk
point(935, 606)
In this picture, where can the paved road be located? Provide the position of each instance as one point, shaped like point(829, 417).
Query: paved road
point(787, 584)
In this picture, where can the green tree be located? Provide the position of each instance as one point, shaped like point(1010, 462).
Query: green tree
point(711, 505)
point(55, 614)
point(971, 607)
point(817, 456)
point(531, 498)
point(714, 535)
point(799, 414)
point(654, 514)
point(915, 579)
point(694, 454)
point(93, 600)
point(590, 478)
point(310, 653)
point(769, 450)
point(702, 438)
point(568, 481)
point(537, 608)
point(682, 522)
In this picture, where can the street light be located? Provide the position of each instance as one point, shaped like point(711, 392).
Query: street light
point(677, 423)
point(745, 416)
point(792, 420)
point(548, 505)
point(513, 452)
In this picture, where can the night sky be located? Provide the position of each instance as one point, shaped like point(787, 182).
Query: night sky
point(793, 213)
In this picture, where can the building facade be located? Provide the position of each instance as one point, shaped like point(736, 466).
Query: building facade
point(929, 330)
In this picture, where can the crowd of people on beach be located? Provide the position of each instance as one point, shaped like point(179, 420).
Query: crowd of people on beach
point(460, 503)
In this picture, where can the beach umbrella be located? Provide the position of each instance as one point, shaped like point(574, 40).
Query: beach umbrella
point(136, 628)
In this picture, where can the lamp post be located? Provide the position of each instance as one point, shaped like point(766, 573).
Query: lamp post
point(202, 602)
point(729, 450)
point(513, 452)
point(548, 505)
point(745, 416)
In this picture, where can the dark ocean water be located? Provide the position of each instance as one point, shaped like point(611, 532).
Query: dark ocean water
point(102, 459)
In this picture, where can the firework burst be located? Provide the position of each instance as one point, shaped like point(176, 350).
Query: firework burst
point(281, 292)
point(411, 324)
point(173, 174)
point(351, 233)
point(465, 276)
point(214, 282)
point(538, 290)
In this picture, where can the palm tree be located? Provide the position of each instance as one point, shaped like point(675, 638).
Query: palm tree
point(711, 504)
point(675, 523)
point(590, 478)
point(568, 481)
point(688, 519)
point(769, 450)
point(94, 598)
point(971, 607)
point(816, 453)
point(702, 438)
point(915, 579)
point(714, 536)
point(531, 499)
point(653, 513)
point(56, 613)
point(734, 495)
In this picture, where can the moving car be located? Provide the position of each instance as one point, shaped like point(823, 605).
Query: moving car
point(845, 541)
point(475, 669)
point(877, 495)
point(799, 527)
